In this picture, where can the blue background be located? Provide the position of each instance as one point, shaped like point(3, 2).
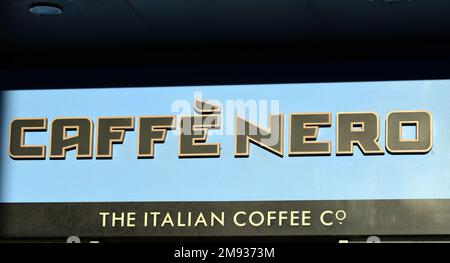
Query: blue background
point(262, 176)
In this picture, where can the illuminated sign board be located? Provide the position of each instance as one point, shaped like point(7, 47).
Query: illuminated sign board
point(365, 158)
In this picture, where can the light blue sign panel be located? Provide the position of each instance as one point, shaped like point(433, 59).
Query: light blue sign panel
point(262, 176)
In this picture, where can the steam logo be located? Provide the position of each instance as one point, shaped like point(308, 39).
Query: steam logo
point(373, 239)
point(73, 239)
